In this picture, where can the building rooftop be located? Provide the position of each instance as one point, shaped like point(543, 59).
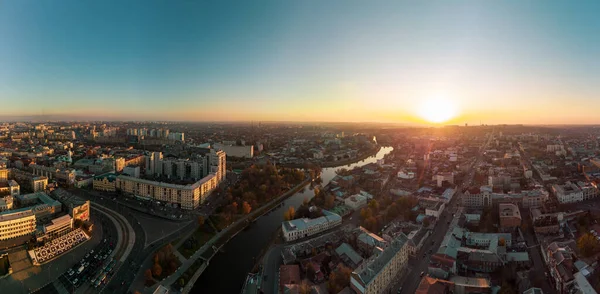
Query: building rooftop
point(509, 210)
point(470, 282)
point(370, 268)
point(304, 223)
point(347, 250)
point(15, 214)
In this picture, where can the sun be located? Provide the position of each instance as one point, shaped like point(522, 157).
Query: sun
point(437, 110)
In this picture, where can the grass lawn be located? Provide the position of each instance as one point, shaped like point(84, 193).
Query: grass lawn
point(200, 237)
point(4, 265)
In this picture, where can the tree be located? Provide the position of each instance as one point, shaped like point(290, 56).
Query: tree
point(329, 201)
point(181, 282)
point(148, 275)
point(365, 213)
point(339, 279)
point(374, 205)
point(501, 242)
point(305, 201)
point(200, 220)
point(587, 244)
point(156, 270)
point(310, 271)
point(246, 208)
point(426, 222)
point(289, 213)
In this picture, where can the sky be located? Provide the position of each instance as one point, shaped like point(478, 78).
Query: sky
point(530, 62)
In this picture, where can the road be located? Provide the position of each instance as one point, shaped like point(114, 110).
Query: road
point(410, 282)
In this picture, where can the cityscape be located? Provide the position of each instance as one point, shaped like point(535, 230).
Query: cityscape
point(307, 147)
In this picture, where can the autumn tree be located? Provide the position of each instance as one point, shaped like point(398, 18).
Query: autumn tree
point(329, 201)
point(587, 244)
point(374, 205)
point(501, 242)
point(289, 213)
point(148, 275)
point(426, 222)
point(246, 208)
point(339, 279)
point(200, 220)
point(156, 270)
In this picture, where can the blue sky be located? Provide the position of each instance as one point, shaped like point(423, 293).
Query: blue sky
point(504, 61)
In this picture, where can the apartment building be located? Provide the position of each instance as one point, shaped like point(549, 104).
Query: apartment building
point(186, 196)
point(213, 162)
point(64, 176)
point(377, 273)
point(29, 180)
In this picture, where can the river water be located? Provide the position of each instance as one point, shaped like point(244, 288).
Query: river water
point(227, 271)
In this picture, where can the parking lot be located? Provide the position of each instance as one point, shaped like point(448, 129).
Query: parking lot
point(91, 271)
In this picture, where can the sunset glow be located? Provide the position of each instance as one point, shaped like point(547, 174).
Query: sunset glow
point(437, 110)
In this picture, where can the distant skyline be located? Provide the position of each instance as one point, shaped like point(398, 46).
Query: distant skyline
point(514, 62)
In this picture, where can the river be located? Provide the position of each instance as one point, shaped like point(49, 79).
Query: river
point(228, 270)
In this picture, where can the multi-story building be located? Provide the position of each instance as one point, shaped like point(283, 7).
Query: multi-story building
point(9, 188)
point(213, 162)
point(501, 180)
point(16, 223)
point(377, 273)
point(588, 190)
point(510, 216)
point(133, 171)
point(445, 176)
point(6, 203)
point(304, 227)
point(567, 193)
point(483, 196)
point(3, 175)
point(560, 258)
point(58, 227)
point(29, 180)
point(186, 196)
point(64, 176)
point(105, 182)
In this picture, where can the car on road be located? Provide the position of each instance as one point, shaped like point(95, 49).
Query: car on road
point(422, 274)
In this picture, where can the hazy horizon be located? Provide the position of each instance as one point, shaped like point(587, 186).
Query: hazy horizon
point(531, 63)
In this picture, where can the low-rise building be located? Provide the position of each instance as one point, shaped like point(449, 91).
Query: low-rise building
point(435, 209)
point(466, 285)
point(304, 227)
